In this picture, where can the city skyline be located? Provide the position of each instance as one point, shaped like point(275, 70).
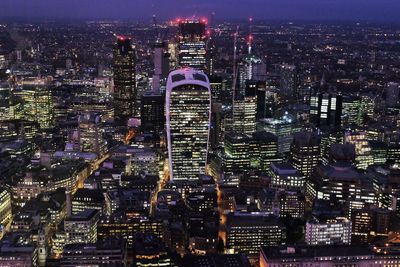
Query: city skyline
point(355, 10)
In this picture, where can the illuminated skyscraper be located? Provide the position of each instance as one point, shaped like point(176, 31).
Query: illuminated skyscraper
point(125, 103)
point(192, 44)
point(38, 104)
point(289, 80)
point(90, 134)
point(4, 100)
point(188, 110)
point(326, 109)
point(161, 65)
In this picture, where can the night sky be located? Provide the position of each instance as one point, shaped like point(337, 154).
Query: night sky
point(351, 10)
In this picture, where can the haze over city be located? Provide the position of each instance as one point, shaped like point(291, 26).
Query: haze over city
point(348, 10)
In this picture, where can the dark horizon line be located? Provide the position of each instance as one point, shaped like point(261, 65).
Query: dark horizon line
point(24, 19)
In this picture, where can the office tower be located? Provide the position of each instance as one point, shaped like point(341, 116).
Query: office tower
point(326, 109)
point(284, 129)
point(364, 154)
point(192, 44)
point(188, 117)
point(370, 222)
point(150, 251)
point(393, 154)
point(161, 65)
point(289, 81)
point(335, 231)
point(38, 104)
point(18, 249)
point(352, 110)
point(85, 199)
point(82, 227)
point(5, 207)
point(291, 204)
point(152, 111)
point(247, 232)
point(337, 255)
point(262, 111)
point(90, 134)
point(125, 92)
point(102, 253)
point(252, 68)
point(237, 158)
point(121, 227)
point(263, 150)
point(5, 95)
point(245, 110)
point(392, 94)
point(379, 151)
point(285, 176)
point(338, 182)
point(217, 89)
point(305, 151)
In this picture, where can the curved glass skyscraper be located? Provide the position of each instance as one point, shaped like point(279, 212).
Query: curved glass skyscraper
point(188, 114)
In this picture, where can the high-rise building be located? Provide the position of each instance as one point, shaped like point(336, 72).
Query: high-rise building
point(150, 251)
point(38, 104)
point(364, 154)
point(247, 232)
point(82, 227)
point(108, 252)
point(331, 255)
point(125, 92)
point(192, 44)
point(352, 112)
point(284, 129)
point(285, 176)
point(392, 94)
point(188, 117)
point(236, 148)
point(328, 232)
point(4, 100)
point(326, 109)
point(289, 80)
point(305, 151)
point(338, 182)
point(152, 111)
point(5, 207)
point(161, 66)
point(90, 134)
point(245, 110)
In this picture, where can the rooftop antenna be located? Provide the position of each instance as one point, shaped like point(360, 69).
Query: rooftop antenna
point(250, 40)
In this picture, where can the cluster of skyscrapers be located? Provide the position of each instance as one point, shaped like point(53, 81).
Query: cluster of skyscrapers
point(203, 145)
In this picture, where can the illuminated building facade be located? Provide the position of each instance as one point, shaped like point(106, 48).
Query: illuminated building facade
point(305, 152)
point(38, 104)
point(248, 232)
point(285, 176)
point(188, 118)
point(326, 109)
point(331, 255)
point(108, 253)
point(4, 100)
point(90, 134)
point(192, 44)
point(125, 102)
point(283, 128)
point(5, 207)
point(82, 227)
point(329, 232)
point(289, 80)
point(364, 154)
